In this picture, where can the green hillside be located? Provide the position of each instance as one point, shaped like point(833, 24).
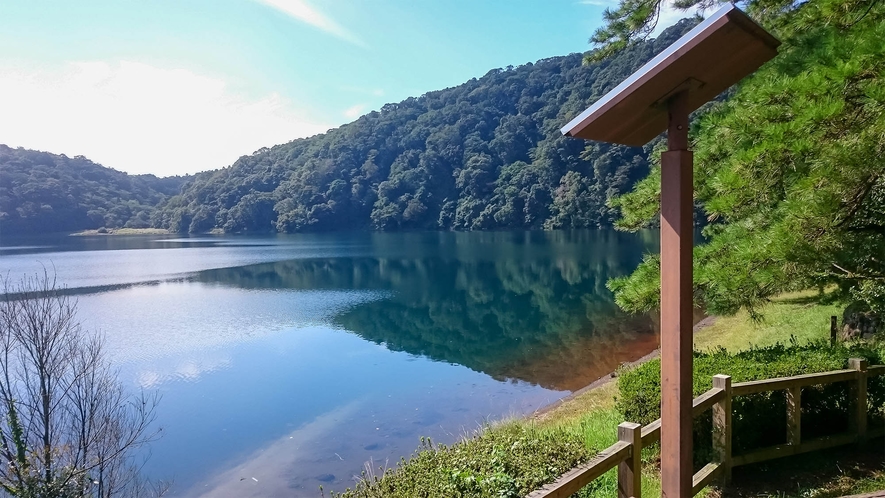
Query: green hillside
point(42, 193)
point(483, 155)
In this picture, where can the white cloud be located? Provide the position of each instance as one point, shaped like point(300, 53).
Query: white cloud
point(355, 111)
point(141, 119)
point(304, 12)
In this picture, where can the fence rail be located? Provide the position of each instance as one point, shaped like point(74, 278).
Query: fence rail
point(626, 453)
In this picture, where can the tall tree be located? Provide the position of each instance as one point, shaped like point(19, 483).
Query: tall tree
point(790, 172)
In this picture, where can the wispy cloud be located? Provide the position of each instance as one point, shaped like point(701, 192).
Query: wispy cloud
point(304, 12)
point(355, 111)
point(176, 120)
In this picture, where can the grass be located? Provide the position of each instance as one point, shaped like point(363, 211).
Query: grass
point(584, 424)
point(798, 315)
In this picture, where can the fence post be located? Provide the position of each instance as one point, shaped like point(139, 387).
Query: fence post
point(794, 416)
point(858, 394)
point(630, 470)
point(722, 426)
point(833, 330)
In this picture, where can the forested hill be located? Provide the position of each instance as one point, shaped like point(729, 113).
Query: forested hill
point(486, 154)
point(43, 192)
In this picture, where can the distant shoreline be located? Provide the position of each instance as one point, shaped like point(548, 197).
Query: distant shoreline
point(122, 231)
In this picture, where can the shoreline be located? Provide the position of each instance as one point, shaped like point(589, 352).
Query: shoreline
point(610, 377)
point(121, 231)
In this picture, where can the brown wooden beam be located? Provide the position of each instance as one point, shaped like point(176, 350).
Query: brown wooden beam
point(676, 304)
point(630, 470)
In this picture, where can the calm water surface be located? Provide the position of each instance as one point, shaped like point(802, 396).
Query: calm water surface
point(288, 362)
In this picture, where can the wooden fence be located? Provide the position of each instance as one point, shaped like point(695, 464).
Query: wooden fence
point(626, 453)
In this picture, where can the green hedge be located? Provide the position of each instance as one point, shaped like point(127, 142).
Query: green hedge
point(759, 419)
point(506, 461)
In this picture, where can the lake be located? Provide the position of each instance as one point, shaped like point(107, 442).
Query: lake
point(287, 362)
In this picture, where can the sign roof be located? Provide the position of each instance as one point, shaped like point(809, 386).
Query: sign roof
point(714, 55)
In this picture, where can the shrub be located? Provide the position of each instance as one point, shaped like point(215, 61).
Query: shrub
point(504, 461)
point(759, 419)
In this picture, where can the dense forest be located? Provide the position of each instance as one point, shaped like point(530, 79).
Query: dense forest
point(43, 192)
point(482, 155)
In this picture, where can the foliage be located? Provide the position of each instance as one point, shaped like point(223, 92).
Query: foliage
point(634, 20)
point(43, 192)
point(789, 171)
point(759, 419)
point(483, 155)
point(68, 429)
point(507, 461)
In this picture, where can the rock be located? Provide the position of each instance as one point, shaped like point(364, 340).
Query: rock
point(858, 322)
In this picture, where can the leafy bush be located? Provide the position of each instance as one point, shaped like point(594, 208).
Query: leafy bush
point(759, 419)
point(505, 461)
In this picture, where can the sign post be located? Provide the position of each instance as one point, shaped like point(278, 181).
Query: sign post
point(660, 96)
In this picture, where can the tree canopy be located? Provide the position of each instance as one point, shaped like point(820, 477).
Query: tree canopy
point(790, 171)
point(483, 155)
point(43, 192)
point(632, 21)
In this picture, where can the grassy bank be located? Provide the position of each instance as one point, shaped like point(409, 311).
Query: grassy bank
point(797, 315)
point(591, 417)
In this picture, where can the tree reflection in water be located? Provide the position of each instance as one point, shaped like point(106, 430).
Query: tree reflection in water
point(514, 305)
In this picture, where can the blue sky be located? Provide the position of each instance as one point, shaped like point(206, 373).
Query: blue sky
point(171, 87)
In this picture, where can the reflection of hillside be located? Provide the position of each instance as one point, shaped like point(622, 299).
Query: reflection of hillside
point(537, 312)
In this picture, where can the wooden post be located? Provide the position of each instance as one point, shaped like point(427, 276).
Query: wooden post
point(858, 395)
point(794, 416)
point(722, 426)
point(676, 304)
point(630, 470)
point(834, 330)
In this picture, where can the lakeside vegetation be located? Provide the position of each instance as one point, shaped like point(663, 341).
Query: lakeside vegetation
point(592, 418)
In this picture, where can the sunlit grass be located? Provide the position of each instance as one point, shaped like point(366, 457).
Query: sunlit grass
point(799, 315)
